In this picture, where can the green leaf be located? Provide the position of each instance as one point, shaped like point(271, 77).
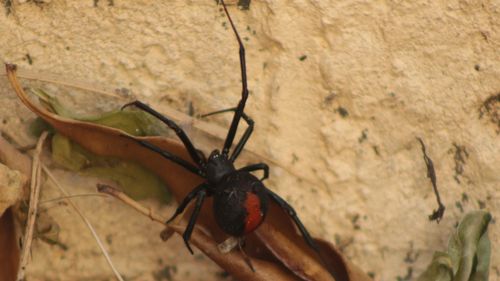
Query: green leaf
point(464, 245)
point(136, 181)
point(68, 154)
point(39, 125)
point(52, 103)
point(439, 270)
point(483, 259)
point(468, 255)
point(134, 122)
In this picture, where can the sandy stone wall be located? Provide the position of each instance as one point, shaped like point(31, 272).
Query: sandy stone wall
point(339, 92)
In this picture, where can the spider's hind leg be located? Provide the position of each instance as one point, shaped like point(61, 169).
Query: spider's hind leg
point(191, 195)
point(307, 237)
point(192, 220)
point(291, 212)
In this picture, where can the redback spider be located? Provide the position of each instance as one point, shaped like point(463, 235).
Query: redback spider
point(240, 199)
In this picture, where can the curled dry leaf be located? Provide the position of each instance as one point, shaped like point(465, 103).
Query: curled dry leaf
point(10, 252)
point(9, 255)
point(277, 251)
point(11, 191)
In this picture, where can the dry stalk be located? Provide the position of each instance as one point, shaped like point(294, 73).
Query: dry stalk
point(165, 234)
point(70, 196)
point(131, 202)
point(33, 207)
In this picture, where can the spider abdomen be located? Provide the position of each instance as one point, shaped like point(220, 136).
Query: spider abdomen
point(240, 203)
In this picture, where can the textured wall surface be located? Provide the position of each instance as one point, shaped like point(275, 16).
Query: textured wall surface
point(339, 92)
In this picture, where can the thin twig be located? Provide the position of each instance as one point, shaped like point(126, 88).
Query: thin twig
point(70, 196)
point(33, 207)
point(165, 234)
point(104, 188)
point(87, 222)
point(436, 215)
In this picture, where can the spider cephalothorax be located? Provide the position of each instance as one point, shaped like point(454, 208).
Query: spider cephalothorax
point(217, 167)
point(240, 199)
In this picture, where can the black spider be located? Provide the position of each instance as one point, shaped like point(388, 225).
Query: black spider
point(240, 199)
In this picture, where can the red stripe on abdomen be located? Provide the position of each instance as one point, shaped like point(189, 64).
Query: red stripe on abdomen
point(254, 214)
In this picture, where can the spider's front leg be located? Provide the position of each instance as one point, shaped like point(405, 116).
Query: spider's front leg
point(167, 155)
point(238, 112)
point(193, 152)
point(246, 135)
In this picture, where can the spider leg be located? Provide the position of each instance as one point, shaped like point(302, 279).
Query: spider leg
point(172, 125)
point(189, 229)
point(246, 135)
point(186, 200)
point(256, 167)
point(232, 109)
point(244, 93)
point(176, 159)
point(291, 212)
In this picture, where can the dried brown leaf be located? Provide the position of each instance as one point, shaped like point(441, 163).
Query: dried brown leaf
point(12, 184)
point(9, 255)
point(277, 251)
